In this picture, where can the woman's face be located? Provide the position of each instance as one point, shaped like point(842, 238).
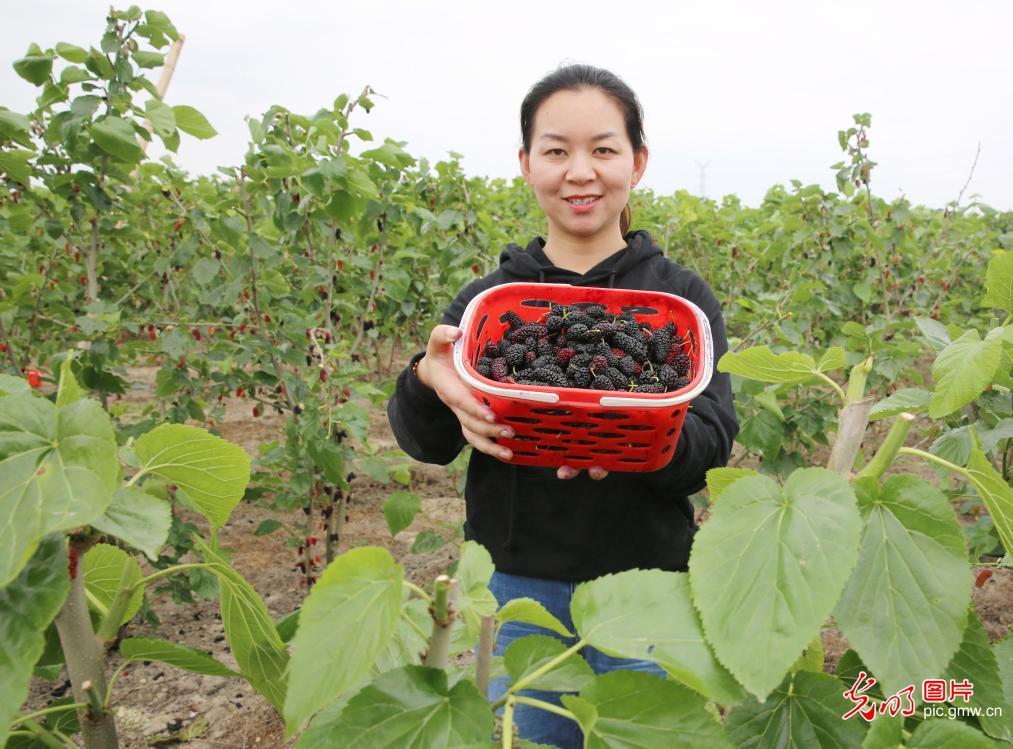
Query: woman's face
point(582, 165)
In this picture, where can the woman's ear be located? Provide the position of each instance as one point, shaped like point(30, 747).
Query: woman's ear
point(639, 165)
point(525, 163)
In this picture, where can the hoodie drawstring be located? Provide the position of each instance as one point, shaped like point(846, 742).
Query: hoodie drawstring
point(612, 279)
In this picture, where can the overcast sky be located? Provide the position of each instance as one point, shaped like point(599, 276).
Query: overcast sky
point(756, 91)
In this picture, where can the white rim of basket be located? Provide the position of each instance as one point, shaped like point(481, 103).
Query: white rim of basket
point(607, 401)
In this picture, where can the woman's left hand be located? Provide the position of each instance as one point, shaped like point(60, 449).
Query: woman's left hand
point(595, 472)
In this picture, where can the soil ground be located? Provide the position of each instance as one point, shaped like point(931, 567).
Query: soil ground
point(156, 700)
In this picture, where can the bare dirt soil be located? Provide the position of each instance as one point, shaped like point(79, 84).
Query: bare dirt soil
point(155, 700)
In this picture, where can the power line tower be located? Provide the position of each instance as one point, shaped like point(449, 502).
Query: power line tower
point(703, 178)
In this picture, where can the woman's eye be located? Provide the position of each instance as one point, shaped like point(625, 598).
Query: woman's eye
point(555, 151)
point(605, 148)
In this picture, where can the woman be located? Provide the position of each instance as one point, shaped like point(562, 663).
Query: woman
point(548, 530)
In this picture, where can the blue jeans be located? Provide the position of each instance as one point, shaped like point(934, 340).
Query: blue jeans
point(533, 723)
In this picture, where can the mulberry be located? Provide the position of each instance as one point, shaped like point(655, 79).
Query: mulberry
point(632, 346)
point(530, 330)
point(619, 380)
point(661, 343)
point(628, 366)
point(580, 378)
point(580, 332)
point(681, 364)
point(515, 355)
point(580, 318)
point(500, 369)
point(653, 387)
point(549, 376)
point(588, 346)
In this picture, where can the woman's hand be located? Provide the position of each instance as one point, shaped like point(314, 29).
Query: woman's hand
point(595, 472)
point(478, 422)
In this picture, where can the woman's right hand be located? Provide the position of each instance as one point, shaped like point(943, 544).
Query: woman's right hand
point(436, 371)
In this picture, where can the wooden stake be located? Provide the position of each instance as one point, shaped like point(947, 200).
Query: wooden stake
point(483, 657)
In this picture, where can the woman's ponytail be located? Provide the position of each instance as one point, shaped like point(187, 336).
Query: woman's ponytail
point(625, 218)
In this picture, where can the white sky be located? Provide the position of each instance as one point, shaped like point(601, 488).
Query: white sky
point(758, 90)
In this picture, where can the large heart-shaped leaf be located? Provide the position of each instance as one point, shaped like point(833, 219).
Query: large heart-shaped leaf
point(345, 624)
point(213, 472)
point(805, 712)
point(648, 615)
point(255, 643)
point(58, 470)
point(409, 708)
point(768, 566)
point(634, 710)
point(912, 581)
point(27, 605)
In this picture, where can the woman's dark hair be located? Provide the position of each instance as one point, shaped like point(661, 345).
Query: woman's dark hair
point(575, 78)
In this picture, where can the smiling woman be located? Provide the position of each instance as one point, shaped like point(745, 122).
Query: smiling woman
point(583, 151)
point(582, 154)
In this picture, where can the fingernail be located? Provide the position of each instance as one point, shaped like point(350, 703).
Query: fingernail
point(490, 417)
point(507, 433)
point(505, 454)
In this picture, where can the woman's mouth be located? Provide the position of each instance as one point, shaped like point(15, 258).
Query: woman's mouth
point(583, 203)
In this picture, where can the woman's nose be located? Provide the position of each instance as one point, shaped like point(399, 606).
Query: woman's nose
point(580, 168)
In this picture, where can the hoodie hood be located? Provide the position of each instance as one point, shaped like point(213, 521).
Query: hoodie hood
point(530, 263)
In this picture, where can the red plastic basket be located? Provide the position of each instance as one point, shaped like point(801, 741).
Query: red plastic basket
point(572, 426)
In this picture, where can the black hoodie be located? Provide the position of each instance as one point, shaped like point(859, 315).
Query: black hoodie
point(537, 525)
